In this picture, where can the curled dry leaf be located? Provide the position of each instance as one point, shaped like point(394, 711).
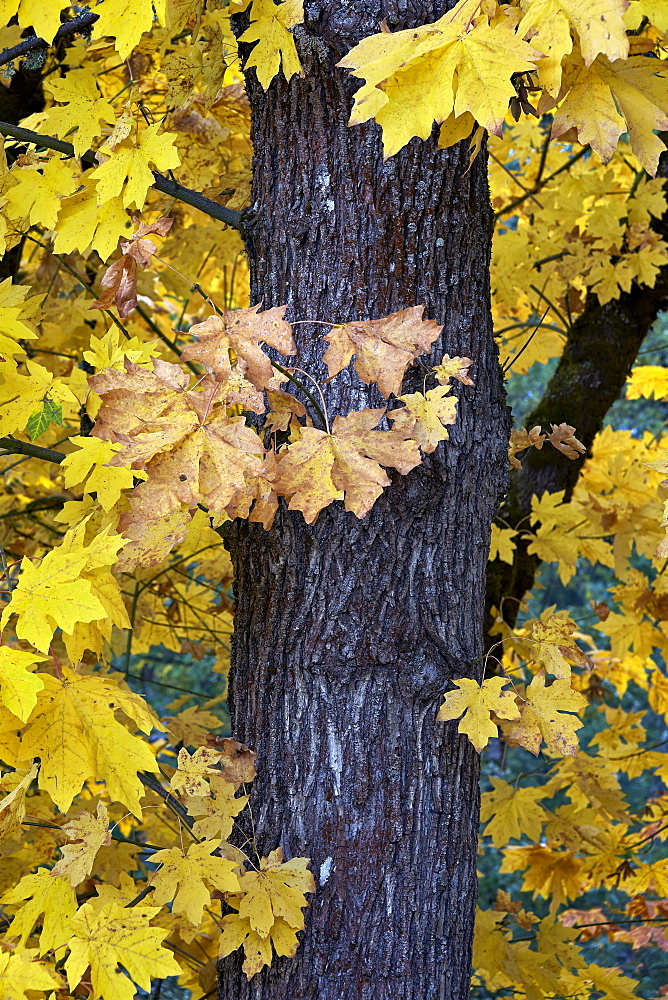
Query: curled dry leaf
point(120, 279)
point(241, 330)
point(522, 439)
point(383, 348)
point(237, 762)
point(563, 438)
point(283, 407)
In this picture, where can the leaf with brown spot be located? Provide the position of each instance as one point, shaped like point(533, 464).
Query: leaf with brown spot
point(544, 716)
point(424, 417)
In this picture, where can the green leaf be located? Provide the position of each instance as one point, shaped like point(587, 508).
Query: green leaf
point(50, 413)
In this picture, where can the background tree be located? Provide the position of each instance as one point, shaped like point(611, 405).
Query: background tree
point(355, 606)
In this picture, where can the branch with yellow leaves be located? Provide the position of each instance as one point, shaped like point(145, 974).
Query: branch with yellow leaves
point(77, 26)
point(160, 183)
point(598, 356)
point(12, 446)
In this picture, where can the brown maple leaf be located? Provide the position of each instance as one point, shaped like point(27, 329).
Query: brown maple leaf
point(120, 279)
point(242, 331)
point(563, 438)
point(344, 465)
point(192, 449)
point(383, 348)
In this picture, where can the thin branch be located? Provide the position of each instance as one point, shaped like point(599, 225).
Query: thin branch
point(171, 802)
point(77, 26)
point(11, 446)
point(160, 183)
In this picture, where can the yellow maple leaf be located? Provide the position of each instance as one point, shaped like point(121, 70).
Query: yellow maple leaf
point(598, 23)
point(21, 394)
point(344, 465)
point(608, 98)
point(237, 931)
point(84, 109)
point(544, 716)
point(276, 890)
point(127, 173)
point(654, 10)
point(91, 833)
point(13, 805)
point(51, 594)
point(555, 642)
point(511, 812)
point(21, 974)
point(117, 935)
point(124, 20)
point(46, 898)
point(421, 75)
point(84, 224)
point(477, 701)
point(647, 381)
point(424, 417)
point(193, 770)
point(503, 544)
point(187, 879)
point(35, 196)
point(43, 17)
point(383, 348)
point(89, 466)
point(554, 875)
point(62, 590)
point(74, 731)
point(270, 24)
point(18, 685)
point(191, 726)
point(110, 351)
point(14, 314)
point(216, 812)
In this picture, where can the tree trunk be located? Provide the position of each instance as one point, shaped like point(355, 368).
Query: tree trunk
point(348, 631)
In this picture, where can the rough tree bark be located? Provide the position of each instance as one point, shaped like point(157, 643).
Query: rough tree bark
point(347, 632)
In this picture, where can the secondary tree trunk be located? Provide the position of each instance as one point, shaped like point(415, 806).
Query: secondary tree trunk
point(347, 632)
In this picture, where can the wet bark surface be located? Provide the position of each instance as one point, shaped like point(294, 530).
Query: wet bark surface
point(348, 631)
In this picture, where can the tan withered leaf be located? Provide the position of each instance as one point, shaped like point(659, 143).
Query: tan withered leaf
point(563, 438)
point(423, 418)
point(344, 465)
point(383, 348)
point(519, 440)
point(120, 279)
point(192, 450)
point(241, 330)
point(237, 762)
